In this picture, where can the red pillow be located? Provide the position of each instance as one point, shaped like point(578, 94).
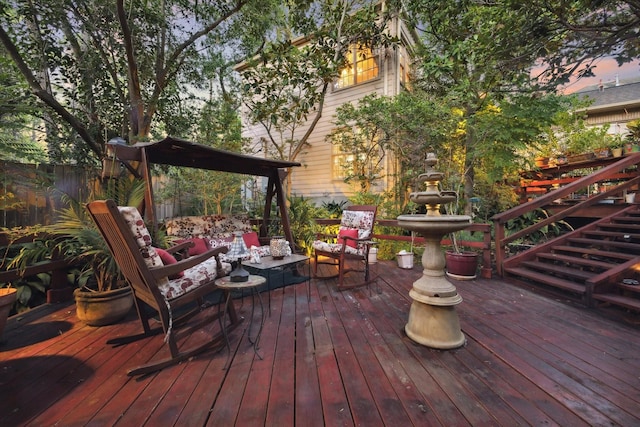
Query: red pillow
point(168, 259)
point(200, 246)
point(349, 232)
point(251, 239)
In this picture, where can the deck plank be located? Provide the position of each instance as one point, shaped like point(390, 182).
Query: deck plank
point(340, 358)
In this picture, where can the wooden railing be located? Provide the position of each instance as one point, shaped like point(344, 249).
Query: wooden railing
point(59, 289)
point(484, 245)
point(604, 174)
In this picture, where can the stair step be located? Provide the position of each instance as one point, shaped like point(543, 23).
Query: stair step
point(629, 288)
point(612, 234)
point(594, 252)
point(620, 227)
point(547, 280)
point(558, 269)
point(575, 260)
point(620, 300)
point(626, 219)
point(628, 246)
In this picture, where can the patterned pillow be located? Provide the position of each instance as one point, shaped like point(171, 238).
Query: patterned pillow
point(362, 220)
point(141, 234)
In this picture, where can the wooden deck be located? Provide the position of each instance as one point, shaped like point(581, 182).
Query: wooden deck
point(340, 359)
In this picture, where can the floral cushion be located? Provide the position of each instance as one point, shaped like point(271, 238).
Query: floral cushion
point(360, 220)
point(207, 226)
point(192, 278)
point(217, 229)
point(216, 243)
point(196, 276)
point(140, 232)
point(336, 248)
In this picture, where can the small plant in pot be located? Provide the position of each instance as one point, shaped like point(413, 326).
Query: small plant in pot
point(460, 265)
point(102, 296)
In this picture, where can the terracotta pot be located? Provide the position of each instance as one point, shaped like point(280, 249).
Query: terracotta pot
point(7, 298)
point(461, 265)
point(103, 308)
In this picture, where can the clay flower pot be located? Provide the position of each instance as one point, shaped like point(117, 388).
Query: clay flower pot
point(461, 265)
point(7, 298)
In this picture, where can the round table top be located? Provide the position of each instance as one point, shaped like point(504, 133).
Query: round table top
point(253, 281)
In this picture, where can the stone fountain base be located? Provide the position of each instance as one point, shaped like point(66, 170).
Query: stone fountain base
point(434, 326)
point(433, 320)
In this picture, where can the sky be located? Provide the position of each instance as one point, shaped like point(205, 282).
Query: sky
point(606, 71)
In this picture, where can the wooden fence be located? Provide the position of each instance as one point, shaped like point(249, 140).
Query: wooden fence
point(30, 194)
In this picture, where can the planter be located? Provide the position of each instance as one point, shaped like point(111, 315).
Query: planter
point(461, 265)
point(581, 158)
point(405, 260)
point(617, 152)
point(602, 153)
point(103, 308)
point(7, 298)
point(541, 162)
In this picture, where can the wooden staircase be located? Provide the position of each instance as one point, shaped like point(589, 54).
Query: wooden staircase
point(598, 263)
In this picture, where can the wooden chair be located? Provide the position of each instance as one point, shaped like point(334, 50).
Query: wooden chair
point(349, 251)
point(130, 244)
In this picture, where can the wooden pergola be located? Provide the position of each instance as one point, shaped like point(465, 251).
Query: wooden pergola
point(179, 152)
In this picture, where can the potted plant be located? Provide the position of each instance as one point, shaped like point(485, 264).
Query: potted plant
point(102, 296)
point(632, 144)
point(460, 265)
point(7, 298)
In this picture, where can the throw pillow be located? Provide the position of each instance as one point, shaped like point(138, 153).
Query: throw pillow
point(251, 239)
point(200, 246)
point(349, 232)
point(168, 259)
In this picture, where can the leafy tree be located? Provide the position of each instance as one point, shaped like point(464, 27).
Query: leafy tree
point(285, 87)
point(111, 68)
point(476, 56)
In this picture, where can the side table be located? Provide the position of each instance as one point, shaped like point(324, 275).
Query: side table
point(229, 287)
point(268, 267)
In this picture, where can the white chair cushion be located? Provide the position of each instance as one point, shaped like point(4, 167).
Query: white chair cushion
point(336, 248)
point(194, 277)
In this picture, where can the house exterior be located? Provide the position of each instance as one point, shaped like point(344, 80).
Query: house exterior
point(614, 104)
point(385, 73)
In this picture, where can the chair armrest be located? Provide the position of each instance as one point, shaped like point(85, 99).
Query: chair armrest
point(180, 246)
point(172, 269)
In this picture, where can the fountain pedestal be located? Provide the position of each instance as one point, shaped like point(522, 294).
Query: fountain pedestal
point(433, 321)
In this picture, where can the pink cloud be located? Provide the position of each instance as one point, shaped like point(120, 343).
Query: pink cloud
point(606, 71)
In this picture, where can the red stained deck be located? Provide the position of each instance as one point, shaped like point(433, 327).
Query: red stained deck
point(340, 359)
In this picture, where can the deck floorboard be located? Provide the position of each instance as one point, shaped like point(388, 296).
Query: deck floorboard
point(338, 358)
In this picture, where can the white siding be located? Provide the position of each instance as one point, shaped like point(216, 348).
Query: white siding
point(313, 180)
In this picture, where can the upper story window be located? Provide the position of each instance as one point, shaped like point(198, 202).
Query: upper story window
point(403, 70)
point(362, 65)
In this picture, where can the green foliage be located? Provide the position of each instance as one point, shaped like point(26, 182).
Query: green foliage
point(634, 130)
point(334, 209)
point(75, 237)
point(127, 69)
point(302, 213)
point(543, 234)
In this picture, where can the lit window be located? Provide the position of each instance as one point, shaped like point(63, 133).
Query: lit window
point(362, 65)
point(404, 70)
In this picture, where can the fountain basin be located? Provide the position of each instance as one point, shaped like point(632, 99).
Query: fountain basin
point(434, 225)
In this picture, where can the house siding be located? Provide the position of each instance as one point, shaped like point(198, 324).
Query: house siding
point(314, 179)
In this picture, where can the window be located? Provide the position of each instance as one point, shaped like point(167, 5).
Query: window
point(339, 162)
point(404, 70)
point(362, 65)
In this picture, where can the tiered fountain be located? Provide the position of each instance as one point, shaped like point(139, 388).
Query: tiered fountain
point(433, 321)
